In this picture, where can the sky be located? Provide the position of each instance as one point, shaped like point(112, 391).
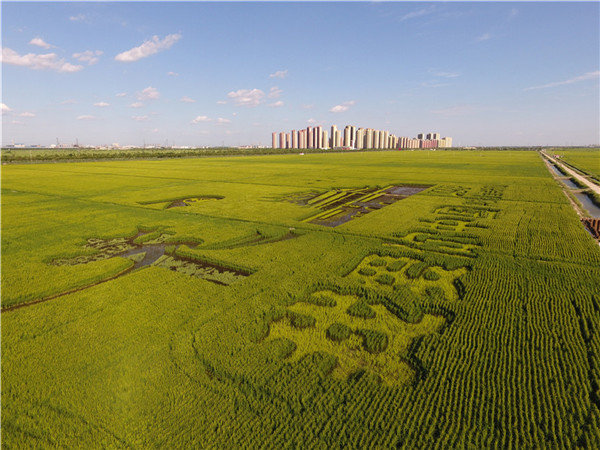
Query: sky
point(197, 74)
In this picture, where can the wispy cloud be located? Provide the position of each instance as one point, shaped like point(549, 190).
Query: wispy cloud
point(68, 101)
point(484, 37)
point(343, 107)
point(247, 97)
point(418, 13)
point(140, 118)
point(277, 104)
point(40, 43)
point(49, 61)
point(5, 108)
point(444, 74)
point(27, 114)
point(584, 77)
point(136, 105)
point(221, 102)
point(86, 117)
point(77, 18)
point(200, 119)
point(121, 94)
point(223, 120)
point(275, 92)
point(101, 104)
point(173, 74)
point(187, 100)
point(149, 93)
point(308, 106)
point(89, 56)
point(148, 48)
point(311, 121)
point(279, 74)
point(433, 84)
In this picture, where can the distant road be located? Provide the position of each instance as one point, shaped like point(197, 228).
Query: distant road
point(593, 186)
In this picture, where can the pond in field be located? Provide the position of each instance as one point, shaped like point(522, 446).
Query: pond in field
point(342, 205)
point(588, 204)
point(569, 183)
point(556, 170)
point(159, 252)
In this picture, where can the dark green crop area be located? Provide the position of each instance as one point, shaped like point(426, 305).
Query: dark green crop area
point(189, 303)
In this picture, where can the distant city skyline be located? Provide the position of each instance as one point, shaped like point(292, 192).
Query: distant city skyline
point(212, 74)
point(354, 137)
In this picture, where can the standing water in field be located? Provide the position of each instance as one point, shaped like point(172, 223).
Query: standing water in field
point(157, 252)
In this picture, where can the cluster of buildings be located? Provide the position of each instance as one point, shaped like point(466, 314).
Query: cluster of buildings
point(356, 138)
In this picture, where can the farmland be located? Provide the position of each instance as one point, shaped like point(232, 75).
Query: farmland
point(298, 301)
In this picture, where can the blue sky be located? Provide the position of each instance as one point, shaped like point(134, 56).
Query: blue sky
point(231, 73)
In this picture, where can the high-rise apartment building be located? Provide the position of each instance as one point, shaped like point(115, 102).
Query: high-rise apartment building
point(274, 137)
point(324, 139)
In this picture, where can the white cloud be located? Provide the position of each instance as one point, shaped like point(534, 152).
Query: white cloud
point(279, 74)
point(247, 97)
point(221, 102)
point(17, 122)
point(418, 13)
point(40, 43)
point(199, 119)
point(277, 104)
point(187, 100)
point(149, 47)
point(121, 94)
point(68, 101)
point(136, 105)
point(584, 77)
point(311, 121)
point(484, 37)
point(77, 18)
point(38, 62)
point(222, 120)
point(5, 109)
point(173, 74)
point(102, 104)
point(149, 93)
point(27, 114)
point(86, 117)
point(274, 92)
point(89, 56)
point(433, 84)
point(445, 74)
point(139, 118)
point(343, 107)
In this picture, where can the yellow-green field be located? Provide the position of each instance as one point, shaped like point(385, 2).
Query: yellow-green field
point(465, 315)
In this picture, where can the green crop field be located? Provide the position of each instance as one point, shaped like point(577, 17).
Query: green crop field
point(411, 299)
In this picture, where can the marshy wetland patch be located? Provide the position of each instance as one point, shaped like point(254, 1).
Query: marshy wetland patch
point(156, 249)
point(339, 206)
point(180, 202)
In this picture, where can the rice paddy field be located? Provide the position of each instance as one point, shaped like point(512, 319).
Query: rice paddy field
point(413, 299)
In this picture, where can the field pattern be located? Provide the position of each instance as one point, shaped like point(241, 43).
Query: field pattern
point(465, 315)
